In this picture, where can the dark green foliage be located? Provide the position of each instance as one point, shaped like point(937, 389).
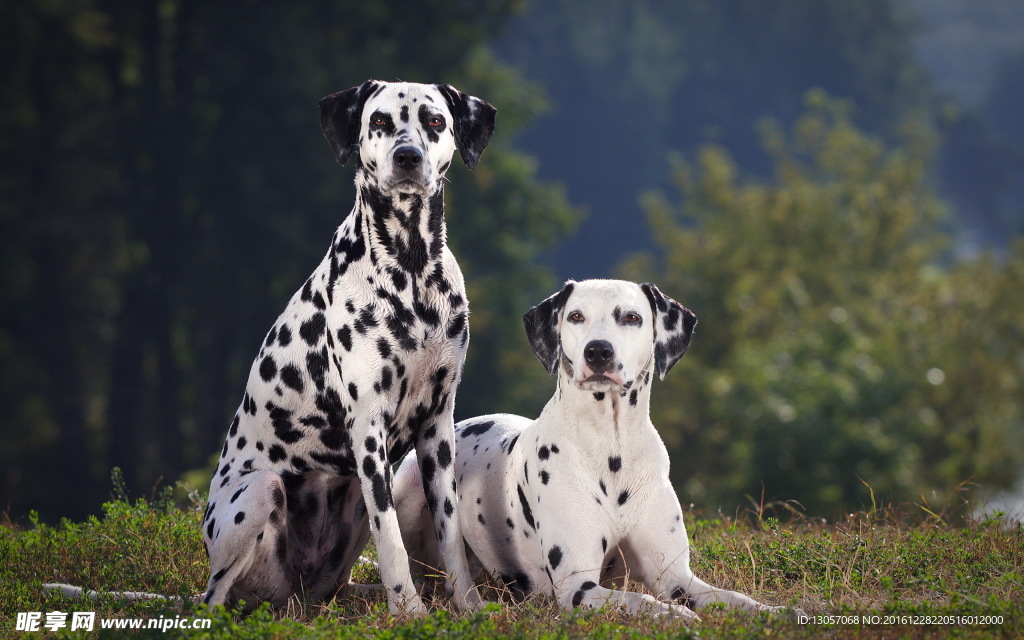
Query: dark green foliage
point(838, 345)
point(166, 187)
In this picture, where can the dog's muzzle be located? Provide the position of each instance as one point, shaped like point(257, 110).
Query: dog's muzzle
point(409, 172)
point(599, 369)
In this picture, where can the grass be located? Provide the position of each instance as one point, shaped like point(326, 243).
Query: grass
point(880, 562)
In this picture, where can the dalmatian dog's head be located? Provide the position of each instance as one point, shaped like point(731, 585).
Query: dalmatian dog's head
point(405, 133)
point(606, 333)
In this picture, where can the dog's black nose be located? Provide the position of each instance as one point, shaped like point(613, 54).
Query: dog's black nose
point(599, 354)
point(407, 157)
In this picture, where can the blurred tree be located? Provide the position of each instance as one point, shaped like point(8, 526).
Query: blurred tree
point(501, 221)
point(165, 188)
point(983, 158)
point(837, 343)
point(633, 80)
point(1005, 101)
point(65, 244)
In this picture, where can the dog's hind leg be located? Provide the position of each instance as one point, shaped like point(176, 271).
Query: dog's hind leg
point(245, 531)
point(343, 533)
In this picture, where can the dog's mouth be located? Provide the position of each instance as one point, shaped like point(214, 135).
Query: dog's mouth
point(407, 185)
point(600, 381)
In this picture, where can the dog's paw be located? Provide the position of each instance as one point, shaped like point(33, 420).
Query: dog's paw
point(794, 614)
point(682, 611)
point(407, 607)
point(470, 601)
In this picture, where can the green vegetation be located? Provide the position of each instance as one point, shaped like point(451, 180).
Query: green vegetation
point(839, 345)
point(878, 562)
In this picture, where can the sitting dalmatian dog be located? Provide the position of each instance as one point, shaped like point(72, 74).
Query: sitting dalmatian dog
point(580, 497)
point(361, 367)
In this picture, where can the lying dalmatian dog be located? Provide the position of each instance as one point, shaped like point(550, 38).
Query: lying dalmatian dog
point(578, 497)
point(361, 366)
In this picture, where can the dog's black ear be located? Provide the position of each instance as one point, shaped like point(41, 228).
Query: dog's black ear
point(673, 328)
point(474, 123)
point(541, 324)
point(339, 118)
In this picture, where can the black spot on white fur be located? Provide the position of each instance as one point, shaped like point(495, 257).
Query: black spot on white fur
point(555, 557)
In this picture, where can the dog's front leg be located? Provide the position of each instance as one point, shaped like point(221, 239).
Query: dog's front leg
point(370, 446)
point(435, 451)
point(574, 555)
point(660, 558)
point(582, 589)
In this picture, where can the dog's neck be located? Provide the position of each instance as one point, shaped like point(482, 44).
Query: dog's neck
point(404, 231)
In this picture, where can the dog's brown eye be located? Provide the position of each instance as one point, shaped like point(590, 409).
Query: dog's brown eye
point(436, 121)
point(575, 317)
point(631, 318)
point(379, 122)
